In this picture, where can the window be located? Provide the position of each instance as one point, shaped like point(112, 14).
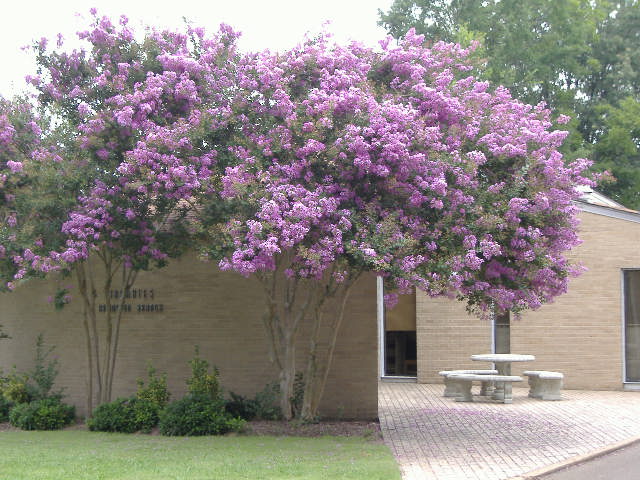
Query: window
point(631, 291)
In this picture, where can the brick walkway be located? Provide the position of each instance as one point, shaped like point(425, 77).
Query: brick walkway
point(436, 438)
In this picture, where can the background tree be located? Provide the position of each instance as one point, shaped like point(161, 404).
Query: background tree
point(575, 55)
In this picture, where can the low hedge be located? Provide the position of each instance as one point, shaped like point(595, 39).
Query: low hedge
point(197, 415)
point(46, 414)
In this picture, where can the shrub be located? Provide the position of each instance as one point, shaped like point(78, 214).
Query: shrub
point(156, 390)
point(45, 414)
point(263, 406)
point(44, 373)
point(36, 384)
point(146, 414)
point(267, 402)
point(15, 389)
point(197, 415)
point(5, 406)
point(240, 406)
point(116, 416)
point(150, 400)
point(201, 382)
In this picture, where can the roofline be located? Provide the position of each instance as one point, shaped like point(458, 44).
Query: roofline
point(628, 215)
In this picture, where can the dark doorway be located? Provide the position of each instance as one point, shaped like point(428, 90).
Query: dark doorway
point(400, 351)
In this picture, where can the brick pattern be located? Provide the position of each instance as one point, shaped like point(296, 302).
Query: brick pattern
point(580, 334)
point(219, 312)
point(436, 438)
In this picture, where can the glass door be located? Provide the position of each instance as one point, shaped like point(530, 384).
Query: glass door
point(399, 354)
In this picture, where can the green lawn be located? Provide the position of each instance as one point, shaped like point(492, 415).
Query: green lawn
point(76, 455)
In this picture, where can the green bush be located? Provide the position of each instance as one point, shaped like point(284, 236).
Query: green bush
point(44, 373)
point(156, 390)
point(116, 416)
point(125, 415)
point(15, 389)
point(150, 400)
point(37, 384)
point(45, 414)
point(263, 406)
point(202, 383)
point(240, 406)
point(146, 414)
point(5, 406)
point(267, 402)
point(197, 415)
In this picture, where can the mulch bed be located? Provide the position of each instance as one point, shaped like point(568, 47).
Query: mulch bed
point(368, 430)
point(7, 427)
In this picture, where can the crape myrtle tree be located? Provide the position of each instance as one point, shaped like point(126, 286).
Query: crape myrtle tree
point(307, 170)
point(345, 160)
point(111, 226)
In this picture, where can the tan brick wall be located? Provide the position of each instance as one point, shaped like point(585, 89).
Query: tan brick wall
point(447, 336)
point(220, 312)
point(580, 334)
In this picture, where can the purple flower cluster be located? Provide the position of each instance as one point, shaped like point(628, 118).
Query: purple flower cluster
point(335, 157)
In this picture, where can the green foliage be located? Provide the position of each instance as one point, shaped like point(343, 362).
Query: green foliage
point(3, 334)
point(116, 416)
point(156, 390)
point(18, 388)
point(150, 399)
point(14, 389)
point(61, 298)
point(5, 407)
point(240, 406)
point(267, 402)
point(44, 373)
point(203, 383)
point(146, 414)
point(45, 414)
point(197, 415)
point(125, 415)
point(263, 406)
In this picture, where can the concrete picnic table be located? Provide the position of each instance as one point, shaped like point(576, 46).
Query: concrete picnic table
point(502, 362)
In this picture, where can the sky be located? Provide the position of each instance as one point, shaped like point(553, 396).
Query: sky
point(275, 24)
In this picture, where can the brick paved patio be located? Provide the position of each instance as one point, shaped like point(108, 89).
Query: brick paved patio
point(436, 438)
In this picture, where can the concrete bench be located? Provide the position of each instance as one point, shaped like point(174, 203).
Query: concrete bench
point(450, 388)
point(544, 385)
point(464, 382)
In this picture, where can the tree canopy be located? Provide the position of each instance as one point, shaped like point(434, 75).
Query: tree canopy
point(577, 56)
point(305, 169)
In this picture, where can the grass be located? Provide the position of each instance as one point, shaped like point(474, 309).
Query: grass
point(78, 455)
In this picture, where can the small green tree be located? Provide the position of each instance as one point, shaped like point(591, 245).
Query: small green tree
point(203, 383)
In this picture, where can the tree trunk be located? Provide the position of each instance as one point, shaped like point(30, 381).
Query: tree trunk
point(318, 368)
point(101, 359)
point(285, 311)
point(287, 378)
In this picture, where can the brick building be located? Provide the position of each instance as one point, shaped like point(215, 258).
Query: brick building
point(185, 304)
point(591, 333)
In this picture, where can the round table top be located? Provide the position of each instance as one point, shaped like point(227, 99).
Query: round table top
point(502, 357)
